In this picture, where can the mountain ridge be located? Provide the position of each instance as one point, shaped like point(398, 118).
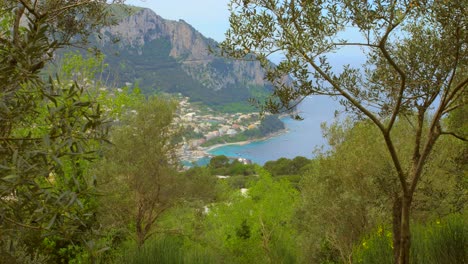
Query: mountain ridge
point(172, 56)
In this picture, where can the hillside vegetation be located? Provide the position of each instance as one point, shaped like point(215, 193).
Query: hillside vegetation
point(89, 172)
point(171, 56)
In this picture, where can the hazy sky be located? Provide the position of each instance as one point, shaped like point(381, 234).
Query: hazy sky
point(210, 17)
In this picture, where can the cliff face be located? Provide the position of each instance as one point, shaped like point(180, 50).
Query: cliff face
point(172, 56)
point(145, 26)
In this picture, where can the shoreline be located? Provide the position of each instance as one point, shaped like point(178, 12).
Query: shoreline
point(206, 150)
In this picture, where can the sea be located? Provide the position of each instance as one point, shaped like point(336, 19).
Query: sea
point(300, 139)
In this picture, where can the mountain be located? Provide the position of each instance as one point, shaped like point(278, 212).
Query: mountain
point(172, 56)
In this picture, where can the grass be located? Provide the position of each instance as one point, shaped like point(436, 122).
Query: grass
point(166, 249)
point(442, 241)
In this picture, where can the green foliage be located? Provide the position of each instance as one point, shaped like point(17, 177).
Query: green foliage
point(263, 234)
point(46, 150)
point(200, 186)
point(75, 66)
point(340, 182)
point(22, 255)
point(52, 131)
point(140, 162)
point(270, 124)
point(222, 165)
point(239, 168)
point(238, 182)
point(157, 71)
point(139, 175)
point(121, 11)
point(189, 133)
point(377, 248)
point(440, 241)
point(218, 162)
point(284, 166)
point(415, 69)
point(162, 250)
point(165, 249)
point(235, 107)
point(49, 131)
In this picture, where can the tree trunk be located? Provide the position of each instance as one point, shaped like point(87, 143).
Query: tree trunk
point(405, 238)
point(396, 225)
point(140, 236)
point(140, 232)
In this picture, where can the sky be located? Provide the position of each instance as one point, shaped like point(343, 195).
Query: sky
point(210, 17)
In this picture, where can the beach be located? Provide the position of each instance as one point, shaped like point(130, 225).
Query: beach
point(242, 143)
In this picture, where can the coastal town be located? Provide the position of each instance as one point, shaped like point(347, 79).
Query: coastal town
point(201, 124)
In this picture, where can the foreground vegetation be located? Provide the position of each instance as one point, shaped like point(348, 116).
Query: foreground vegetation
point(88, 173)
point(414, 68)
point(139, 207)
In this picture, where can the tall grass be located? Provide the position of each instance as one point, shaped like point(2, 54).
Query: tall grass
point(441, 241)
point(166, 249)
point(436, 242)
point(376, 248)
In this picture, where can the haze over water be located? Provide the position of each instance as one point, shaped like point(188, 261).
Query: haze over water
point(300, 140)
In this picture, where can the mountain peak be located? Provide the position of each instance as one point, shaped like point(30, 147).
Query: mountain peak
point(172, 56)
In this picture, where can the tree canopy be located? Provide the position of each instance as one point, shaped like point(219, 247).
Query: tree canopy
point(415, 68)
point(50, 128)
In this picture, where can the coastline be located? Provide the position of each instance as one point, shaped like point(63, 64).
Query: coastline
point(242, 143)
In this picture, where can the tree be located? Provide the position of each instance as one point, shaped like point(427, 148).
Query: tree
point(256, 226)
point(139, 172)
point(49, 127)
point(416, 69)
point(44, 162)
point(284, 166)
point(343, 203)
point(218, 162)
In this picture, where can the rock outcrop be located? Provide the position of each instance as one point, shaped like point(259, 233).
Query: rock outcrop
point(172, 56)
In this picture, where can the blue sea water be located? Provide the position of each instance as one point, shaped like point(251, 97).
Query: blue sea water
point(300, 140)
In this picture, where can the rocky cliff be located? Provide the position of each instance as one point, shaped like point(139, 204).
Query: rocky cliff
point(172, 56)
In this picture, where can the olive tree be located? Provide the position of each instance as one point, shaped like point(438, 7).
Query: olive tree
point(50, 128)
point(343, 203)
point(139, 171)
point(416, 68)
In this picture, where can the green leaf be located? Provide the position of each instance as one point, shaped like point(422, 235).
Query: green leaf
point(57, 160)
point(102, 250)
point(72, 199)
point(10, 177)
point(4, 167)
point(52, 221)
point(51, 98)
